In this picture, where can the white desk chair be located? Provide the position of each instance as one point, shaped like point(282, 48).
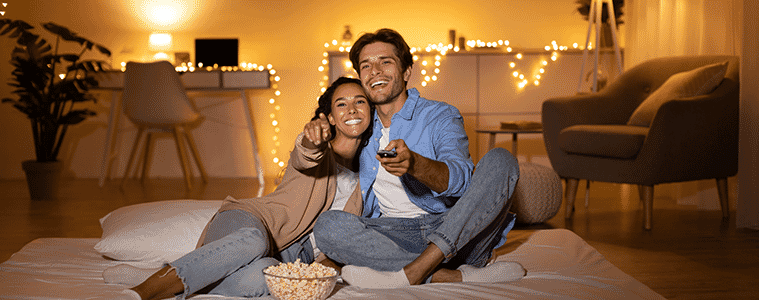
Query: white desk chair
point(155, 101)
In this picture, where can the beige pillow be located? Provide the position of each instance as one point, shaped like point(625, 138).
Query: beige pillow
point(699, 81)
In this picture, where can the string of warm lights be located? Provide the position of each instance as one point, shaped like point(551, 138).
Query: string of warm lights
point(2, 9)
point(245, 66)
point(274, 79)
point(430, 68)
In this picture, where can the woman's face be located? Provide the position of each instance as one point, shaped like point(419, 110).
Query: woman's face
point(350, 110)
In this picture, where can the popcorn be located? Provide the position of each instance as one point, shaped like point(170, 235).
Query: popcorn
point(300, 281)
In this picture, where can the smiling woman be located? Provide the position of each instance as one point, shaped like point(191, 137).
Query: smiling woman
point(322, 175)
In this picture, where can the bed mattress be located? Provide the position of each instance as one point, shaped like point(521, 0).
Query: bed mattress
point(560, 266)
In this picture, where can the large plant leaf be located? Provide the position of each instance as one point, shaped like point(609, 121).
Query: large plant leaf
point(19, 54)
point(91, 81)
point(69, 57)
point(23, 107)
point(583, 7)
point(103, 50)
point(69, 35)
point(64, 33)
point(90, 66)
point(45, 48)
point(49, 102)
point(88, 44)
point(27, 39)
point(76, 116)
point(17, 26)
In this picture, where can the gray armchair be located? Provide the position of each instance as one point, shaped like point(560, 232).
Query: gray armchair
point(588, 136)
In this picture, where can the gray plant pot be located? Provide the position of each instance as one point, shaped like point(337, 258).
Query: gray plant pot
point(42, 178)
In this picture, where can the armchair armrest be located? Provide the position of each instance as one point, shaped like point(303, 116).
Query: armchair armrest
point(562, 112)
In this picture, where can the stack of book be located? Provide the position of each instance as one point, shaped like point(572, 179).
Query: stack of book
point(521, 125)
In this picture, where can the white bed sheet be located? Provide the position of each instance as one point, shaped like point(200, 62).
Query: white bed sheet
point(560, 266)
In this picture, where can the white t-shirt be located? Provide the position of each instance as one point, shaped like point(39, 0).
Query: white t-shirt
point(392, 198)
point(347, 181)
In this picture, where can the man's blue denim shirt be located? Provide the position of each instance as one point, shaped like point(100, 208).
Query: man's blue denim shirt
point(434, 130)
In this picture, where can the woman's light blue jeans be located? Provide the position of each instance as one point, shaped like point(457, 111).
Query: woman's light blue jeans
point(467, 233)
point(235, 251)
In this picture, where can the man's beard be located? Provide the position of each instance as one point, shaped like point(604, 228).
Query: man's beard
point(380, 99)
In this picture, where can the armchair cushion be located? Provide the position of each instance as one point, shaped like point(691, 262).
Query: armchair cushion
point(699, 81)
point(615, 141)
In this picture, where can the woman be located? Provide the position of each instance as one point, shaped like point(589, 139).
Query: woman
point(248, 235)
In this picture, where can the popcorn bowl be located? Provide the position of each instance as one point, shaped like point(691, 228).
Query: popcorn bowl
point(292, 287)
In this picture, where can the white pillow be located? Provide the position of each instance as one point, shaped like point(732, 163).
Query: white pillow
point(155, 232)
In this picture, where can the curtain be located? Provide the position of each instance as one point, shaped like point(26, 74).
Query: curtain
point(656, 28)
point(747, 209)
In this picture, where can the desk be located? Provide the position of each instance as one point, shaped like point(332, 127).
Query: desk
point(514, 132)
point(210, 81)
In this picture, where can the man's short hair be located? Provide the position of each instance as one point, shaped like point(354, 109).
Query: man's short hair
point(384, 35)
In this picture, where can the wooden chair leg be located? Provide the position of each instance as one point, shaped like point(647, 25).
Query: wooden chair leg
point(146, 160)
point(723, 197)
point(647, 197)
point(194, 149)
point(182, 156)
point(140, 131)
point(570, 193)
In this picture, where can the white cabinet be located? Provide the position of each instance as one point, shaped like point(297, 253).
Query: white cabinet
point(482, 85)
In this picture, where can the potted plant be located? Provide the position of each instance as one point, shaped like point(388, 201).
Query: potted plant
point(48, 85)
point(583, 7)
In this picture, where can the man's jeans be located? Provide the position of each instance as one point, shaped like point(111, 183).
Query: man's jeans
point(466, 233)
point(233, 256)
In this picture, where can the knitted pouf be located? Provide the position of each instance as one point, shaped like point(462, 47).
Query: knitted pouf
point(537, 196)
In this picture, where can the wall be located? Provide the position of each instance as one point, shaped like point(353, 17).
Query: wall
point(290, 35)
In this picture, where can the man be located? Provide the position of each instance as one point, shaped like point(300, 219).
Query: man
point(423, 206)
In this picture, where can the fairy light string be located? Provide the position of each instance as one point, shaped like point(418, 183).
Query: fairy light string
point(275, 107)
point(429, 60)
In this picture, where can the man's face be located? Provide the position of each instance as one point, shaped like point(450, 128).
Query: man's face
point(381, 73)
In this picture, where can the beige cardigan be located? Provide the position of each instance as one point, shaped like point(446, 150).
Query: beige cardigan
point(307, 189)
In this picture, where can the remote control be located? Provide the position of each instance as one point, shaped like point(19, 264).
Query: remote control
point(387, 153)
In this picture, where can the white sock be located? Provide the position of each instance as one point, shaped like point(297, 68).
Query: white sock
point(499, 271)
point(367, 278)
point(127, 274)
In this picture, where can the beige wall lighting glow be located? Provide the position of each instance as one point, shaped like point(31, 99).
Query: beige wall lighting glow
point(160, 41)
point(164, 15)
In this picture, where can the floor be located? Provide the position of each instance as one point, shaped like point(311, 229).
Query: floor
point(689, 254)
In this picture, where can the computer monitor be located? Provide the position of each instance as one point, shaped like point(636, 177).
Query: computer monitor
point(221, 52)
